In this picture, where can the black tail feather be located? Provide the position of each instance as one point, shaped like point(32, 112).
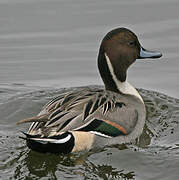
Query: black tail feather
point(49, 147)
point(24, 138)
point(29, 135)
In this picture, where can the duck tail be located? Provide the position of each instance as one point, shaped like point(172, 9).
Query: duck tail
point(40, 118)
point(62, 143)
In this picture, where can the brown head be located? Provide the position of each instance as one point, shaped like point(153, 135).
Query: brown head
point(121, 47)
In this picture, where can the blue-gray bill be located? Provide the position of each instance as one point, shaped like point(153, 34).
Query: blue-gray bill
point(149, 54)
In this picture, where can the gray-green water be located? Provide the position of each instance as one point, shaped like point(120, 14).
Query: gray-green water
point(46, 45)
point(154, 156)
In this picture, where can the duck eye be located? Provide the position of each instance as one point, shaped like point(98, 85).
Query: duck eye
point(132, 43)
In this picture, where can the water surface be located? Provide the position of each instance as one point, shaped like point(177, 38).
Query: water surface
point(48, 45)
point(155, 155)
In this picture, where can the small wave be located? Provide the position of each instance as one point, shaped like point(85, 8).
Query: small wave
point(159, 138)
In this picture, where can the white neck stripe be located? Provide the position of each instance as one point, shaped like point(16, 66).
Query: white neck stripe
point(123, 87)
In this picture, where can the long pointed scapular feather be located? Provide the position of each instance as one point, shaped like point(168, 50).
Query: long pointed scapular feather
point(41, 118)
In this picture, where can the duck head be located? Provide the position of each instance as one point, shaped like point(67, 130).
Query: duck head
point(119, 49)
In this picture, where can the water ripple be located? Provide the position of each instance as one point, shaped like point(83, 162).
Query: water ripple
point(158, 143)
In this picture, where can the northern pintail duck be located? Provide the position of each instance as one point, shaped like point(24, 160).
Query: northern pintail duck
point(87, 118)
